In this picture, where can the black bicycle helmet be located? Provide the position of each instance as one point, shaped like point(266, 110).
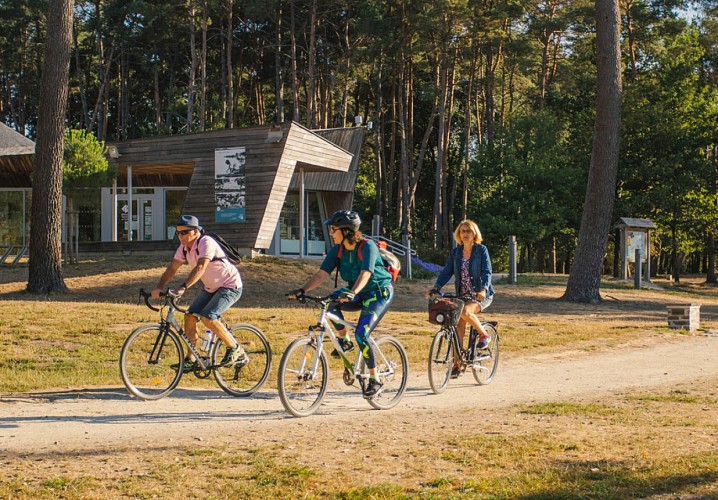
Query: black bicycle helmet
point(344, 219)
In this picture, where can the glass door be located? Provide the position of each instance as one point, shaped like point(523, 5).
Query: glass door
point(142, 213)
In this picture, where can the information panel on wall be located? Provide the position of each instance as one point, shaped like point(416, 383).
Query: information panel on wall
point(229, 184)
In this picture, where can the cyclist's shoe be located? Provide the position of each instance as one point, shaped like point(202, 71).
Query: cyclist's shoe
point(188, 366)
point(455, 372)
point(484, 341)
point(372, 388)
point(346, 345)
point(242, 360)
point(234, 355)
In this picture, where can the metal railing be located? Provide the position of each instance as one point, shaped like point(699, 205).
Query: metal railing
point(405, 252)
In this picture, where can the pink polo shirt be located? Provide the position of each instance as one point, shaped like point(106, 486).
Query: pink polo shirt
point(220, 273)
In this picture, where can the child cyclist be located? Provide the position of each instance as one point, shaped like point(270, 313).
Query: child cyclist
point(368, 289)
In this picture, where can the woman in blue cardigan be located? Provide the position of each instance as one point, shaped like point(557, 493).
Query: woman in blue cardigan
point(470, 265)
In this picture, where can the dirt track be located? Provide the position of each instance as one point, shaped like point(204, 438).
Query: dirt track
point(105, 418)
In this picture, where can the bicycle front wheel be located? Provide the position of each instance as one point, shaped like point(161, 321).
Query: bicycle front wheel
point(441, 359)
point(486, 360)
point(392, 368)
point(151, 362)
point(243, 380)
point(301, 390)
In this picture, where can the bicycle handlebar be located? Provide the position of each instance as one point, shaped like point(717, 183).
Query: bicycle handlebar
point(169, 296)
point(445, 295)
point(314, 298)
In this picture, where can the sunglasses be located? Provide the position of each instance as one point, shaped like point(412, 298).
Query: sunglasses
point(184, 232)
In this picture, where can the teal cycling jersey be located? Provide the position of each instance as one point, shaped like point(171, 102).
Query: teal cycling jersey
point(350, 266)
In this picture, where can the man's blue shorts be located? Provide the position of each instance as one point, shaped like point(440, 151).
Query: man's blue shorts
point(213, 305)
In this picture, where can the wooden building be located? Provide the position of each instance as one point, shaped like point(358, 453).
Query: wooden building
point(261, 188)
point(16, 166)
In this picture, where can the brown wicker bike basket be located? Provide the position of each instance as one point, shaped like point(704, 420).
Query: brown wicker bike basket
point(444, 311)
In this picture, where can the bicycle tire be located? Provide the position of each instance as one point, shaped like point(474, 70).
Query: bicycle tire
point(394, 384)
point(145, 378)
point(486, 360)
point(245, 380)
point(441, 360)
point(300, 396)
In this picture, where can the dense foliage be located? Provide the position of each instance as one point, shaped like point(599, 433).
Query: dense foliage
point(478, 108)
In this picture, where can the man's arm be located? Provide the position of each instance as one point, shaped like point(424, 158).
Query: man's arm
point(166, 277)
point(196, 274)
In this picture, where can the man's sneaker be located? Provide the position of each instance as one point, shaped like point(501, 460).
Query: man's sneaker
point(242, 360)
point(233, 355)
point(455, 372)
point(372, 388)
point(346, 345)
point(188, 365)
point(483, 341)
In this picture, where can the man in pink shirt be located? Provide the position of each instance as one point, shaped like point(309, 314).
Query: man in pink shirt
point(222, 287)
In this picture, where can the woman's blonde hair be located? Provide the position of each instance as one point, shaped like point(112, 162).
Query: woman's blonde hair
point(474, 229)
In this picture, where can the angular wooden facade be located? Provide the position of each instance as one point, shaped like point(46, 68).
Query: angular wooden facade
point(274, 154)
point(16, 164)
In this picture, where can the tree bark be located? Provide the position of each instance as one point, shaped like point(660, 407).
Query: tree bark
point(45, 271)
point(584, 280)
point(192, 66)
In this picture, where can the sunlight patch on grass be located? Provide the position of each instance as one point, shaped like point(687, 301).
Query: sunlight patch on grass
point(567, 408)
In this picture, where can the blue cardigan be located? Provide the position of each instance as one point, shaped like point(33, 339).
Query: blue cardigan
point(479, 269)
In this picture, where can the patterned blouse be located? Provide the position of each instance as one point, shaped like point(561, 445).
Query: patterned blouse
point(466, 290)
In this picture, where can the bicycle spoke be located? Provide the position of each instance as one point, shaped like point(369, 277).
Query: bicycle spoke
point(301, 391)
point(243, 380)
point(146, 362)
point(441, 360)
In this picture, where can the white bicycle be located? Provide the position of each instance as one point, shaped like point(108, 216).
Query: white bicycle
point(304, 369)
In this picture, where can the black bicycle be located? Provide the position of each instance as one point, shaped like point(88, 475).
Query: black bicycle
point(151, 359)
point(445, 310)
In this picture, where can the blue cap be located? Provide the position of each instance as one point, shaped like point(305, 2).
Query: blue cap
point(189, 221)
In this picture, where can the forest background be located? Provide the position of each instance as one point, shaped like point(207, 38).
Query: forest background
point(474, 108)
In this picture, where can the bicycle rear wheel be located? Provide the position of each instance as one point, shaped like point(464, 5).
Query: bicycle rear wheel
point(441, 360)
point(301, 391)
point(146, 361)
point(392, 368)
point(242, 381)
point(486, 360)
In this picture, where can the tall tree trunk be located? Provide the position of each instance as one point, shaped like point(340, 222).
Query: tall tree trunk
point(192, 66)
point(203, 70)
point(229, 119)
point(440, 155)
point(630, 29)
point(403, 162)
point(295, 72)
point(279, 68)
point(711, 266)
point(584, 280)
point(80, 81)
point(379, 141)
point(45, 271)
point(311, 58)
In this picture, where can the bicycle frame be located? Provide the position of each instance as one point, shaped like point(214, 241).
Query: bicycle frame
point(171, 322)
point(318, 333)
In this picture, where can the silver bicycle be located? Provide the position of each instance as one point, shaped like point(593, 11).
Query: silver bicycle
point(151, 358)
point(304, 369)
